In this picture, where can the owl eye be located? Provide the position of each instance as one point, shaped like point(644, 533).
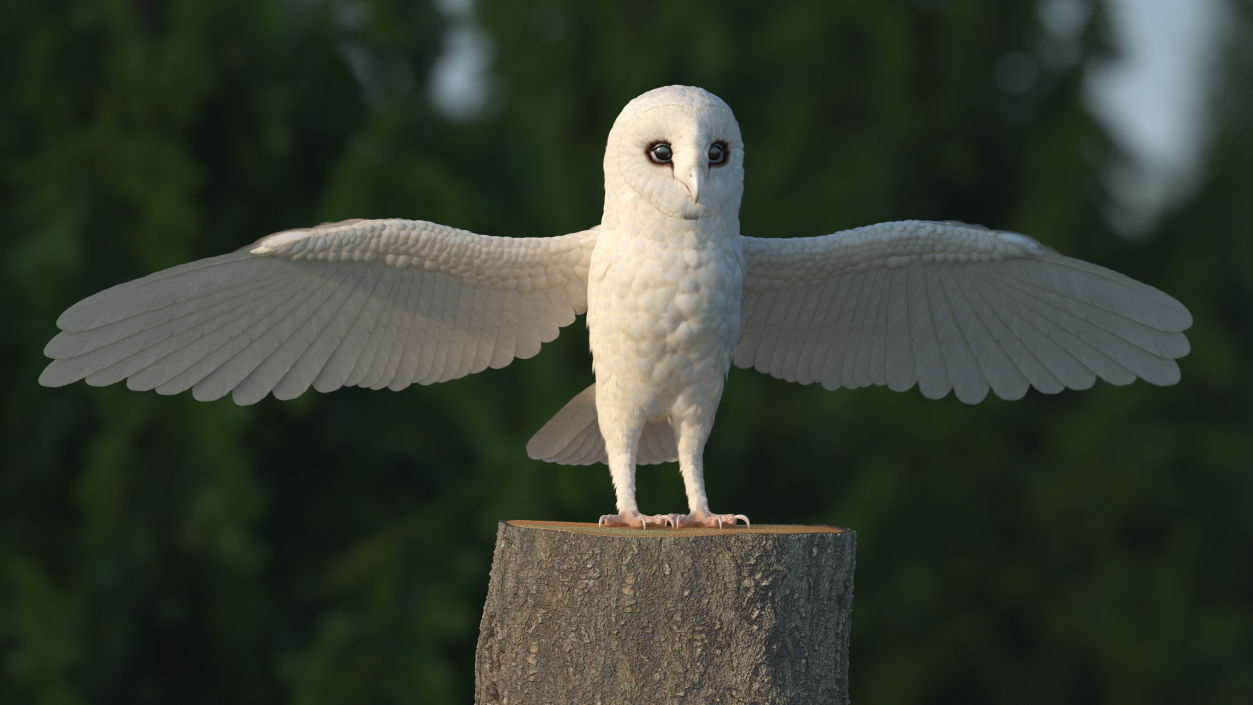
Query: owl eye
point(661, 153)
point(717, 153)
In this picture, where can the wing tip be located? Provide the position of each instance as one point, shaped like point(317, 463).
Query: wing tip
point(50, 377)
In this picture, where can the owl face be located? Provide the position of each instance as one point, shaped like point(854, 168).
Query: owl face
point(679, 150)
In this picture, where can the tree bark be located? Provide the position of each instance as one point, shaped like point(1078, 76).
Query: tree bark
point(577, 614)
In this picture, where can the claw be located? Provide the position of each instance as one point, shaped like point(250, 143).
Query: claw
point(627, 520)
point(708, 520)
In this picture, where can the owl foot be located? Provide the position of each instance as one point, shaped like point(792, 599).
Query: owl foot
point(632, 519)
point(707, 520)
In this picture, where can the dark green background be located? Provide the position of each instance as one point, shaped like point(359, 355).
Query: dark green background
point(1088, 547)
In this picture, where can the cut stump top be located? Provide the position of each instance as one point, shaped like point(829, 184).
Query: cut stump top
point(578, 527)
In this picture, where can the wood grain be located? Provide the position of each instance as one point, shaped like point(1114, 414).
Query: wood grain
point(577, 614)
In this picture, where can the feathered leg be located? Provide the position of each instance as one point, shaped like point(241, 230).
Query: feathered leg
point(622, 436)
point(692, 425)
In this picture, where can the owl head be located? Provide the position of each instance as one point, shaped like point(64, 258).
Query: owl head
point(677, 150)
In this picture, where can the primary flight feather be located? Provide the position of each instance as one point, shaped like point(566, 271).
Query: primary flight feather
point(674, 295)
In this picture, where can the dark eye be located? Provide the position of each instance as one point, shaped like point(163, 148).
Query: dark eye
point(661, 153)
point(717, 153)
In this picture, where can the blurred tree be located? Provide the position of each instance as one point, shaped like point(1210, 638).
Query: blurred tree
point(1087, 547)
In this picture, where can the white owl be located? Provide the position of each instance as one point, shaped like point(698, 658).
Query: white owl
point(673, 294)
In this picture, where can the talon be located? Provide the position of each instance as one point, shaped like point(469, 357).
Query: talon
point(746, 521)
point(719, 521)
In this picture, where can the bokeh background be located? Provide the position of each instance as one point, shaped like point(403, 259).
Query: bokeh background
point(1088, 547)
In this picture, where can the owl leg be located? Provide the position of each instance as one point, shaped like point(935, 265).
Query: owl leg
point(691, 435)
point(621, 439)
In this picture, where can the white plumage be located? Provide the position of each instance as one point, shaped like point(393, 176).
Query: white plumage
point(674, 294)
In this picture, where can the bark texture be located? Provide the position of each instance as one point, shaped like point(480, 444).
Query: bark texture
point(577, 614)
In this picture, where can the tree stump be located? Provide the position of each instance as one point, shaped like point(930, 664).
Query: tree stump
point(577, 614)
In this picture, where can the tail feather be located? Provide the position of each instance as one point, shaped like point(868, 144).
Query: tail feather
point(572, 437)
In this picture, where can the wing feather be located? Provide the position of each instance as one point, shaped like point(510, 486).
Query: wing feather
point(370, 303)
point(1115, 292)
point(826, 318)
point(769, 355)
point(241, 364)
point(876, 373)
point(1034, 332)
point(572, 437)
point(657, 444)
point(752, 324)
point(443, 339)
point(999, 370)
point(380, 344)
point(544, 311)
point(783, 335)
point(177, 285)
point(166, 320)
point(122, 358)
point(459, 365)
point(1096, 321)
point(452, 333)
point(411, 331)
point(857, 359)
point(491, 330)
point(301, 374)
point(295, 337)
point(742, 355)
point(588, 449)
point(800, 354)
point(841, 324)
point(528, 336)
point(898, 356)
point(343, 361)
point(1027, 346)
point(563, 307)
point(435, 335)
point(950, 306)
point(191, 364)
point(507, 338)
point(474, 330)
point(1063, 330)
point(963, 369)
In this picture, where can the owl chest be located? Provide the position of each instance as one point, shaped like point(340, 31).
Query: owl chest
point(659, 298)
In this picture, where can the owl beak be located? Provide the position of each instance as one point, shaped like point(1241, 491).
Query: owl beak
point(692, 178)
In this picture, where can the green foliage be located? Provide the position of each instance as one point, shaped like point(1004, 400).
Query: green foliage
point(1087, 547)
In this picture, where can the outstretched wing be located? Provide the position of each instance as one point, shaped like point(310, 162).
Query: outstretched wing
point(949, 306)
point(372, 303)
